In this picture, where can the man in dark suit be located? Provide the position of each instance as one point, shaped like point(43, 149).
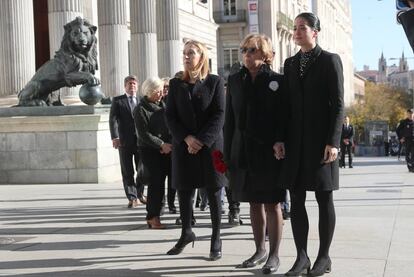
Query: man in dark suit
point(347, 137)
point(124, 138)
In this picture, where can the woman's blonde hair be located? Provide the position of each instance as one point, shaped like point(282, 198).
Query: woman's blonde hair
point(150, 85)
point(261, 42)
point(201, 70)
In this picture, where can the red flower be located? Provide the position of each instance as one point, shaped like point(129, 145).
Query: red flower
point(218, 163)
point(217, 155)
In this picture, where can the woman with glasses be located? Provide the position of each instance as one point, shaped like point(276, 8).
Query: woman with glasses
point(195, 117)
point(154, 146)
point(252, 127)
point(314, 86)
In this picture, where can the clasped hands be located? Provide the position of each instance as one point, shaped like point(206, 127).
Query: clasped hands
point(330, 153)
point(194, 145)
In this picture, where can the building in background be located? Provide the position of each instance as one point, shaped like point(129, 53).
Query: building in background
point(336, 37)
point(237, 18)
point(140, 37)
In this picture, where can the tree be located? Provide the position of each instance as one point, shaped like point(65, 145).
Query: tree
point(381, 102)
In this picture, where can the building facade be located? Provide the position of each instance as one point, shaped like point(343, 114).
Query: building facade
point(140, 37)
point(237, 18)
point(336, 37)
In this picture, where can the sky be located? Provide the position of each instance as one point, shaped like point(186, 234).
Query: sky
point(375, 30)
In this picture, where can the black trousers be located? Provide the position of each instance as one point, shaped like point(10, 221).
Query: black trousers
point(128, 157)
point(409, 156)
point(186, 200)
point(234, 206)
point(346, 148)
point(158, 167)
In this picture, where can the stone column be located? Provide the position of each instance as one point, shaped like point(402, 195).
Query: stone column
point(60, 13)
point(113, 45)
point(17, 45)
point(169, 46)
point(143, 39)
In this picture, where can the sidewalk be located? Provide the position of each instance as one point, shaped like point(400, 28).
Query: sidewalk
point(86, 230)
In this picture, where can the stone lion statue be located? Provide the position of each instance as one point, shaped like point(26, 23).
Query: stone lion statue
point(74, 64)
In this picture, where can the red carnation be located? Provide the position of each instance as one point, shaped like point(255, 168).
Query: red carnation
point(218, 163)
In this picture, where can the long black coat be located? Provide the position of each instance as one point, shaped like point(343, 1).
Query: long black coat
point(202, 117)
point(314, 120)
point(251, 128)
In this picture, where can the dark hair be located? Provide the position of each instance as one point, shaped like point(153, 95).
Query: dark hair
point(129, 78)
point(312, 20)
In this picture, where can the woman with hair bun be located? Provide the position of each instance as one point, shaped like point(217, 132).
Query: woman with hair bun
point(314, 86)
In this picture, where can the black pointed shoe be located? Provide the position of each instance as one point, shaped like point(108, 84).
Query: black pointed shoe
point(299, 268)
point(254, 261)
point(181, 244)
point(269, 267)
point(321, 266)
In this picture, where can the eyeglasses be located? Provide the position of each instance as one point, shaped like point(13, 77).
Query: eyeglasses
point(250, 50)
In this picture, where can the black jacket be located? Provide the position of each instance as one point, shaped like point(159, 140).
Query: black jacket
point(200, 114)
point(253, 125)
point(315, 115)
point(150, 124)
point(121, 121)
point(405, 130)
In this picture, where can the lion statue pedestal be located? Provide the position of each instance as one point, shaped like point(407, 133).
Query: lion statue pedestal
point(74, 64)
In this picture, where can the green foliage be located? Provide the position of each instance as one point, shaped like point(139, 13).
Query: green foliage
point(381, 102)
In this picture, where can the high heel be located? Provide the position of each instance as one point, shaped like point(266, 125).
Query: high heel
point(298, 269)
point(181, 244)
point(215, 254)
point(155, 223)
point(321, 266)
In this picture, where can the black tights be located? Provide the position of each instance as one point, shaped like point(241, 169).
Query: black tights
point(300, 223)
point(185, 199)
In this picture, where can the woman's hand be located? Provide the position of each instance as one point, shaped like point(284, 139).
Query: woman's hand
point(166, 148)
point(279, 150)
point(330, 154)
point(194, 145)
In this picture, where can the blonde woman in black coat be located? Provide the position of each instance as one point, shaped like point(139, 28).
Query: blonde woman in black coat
point(195, 117)
point(252, 127)
point(314, 85)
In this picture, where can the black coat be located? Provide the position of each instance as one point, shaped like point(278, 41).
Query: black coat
point(202, 116)
point(121, 122)
point(150, 124)
point(347, 133)
point(314, 120)
point(252, 127)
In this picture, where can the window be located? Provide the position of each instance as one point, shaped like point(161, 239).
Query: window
point(229, 7)
point(231, 56)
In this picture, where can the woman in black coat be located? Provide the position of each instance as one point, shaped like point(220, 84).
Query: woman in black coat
point(195, 117)
point(251, 129)
point(154, 146)
point(314, 85)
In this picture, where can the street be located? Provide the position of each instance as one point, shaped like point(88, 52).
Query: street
point(86, 230)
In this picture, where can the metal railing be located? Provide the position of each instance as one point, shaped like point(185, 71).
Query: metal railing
point(220, 17)
point(284, 21)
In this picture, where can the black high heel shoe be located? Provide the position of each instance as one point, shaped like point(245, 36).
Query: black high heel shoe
point(181, 244)
point(253, 261)
point(215, 254)
point(269, 267)
point(298, 268)
point(321, 266)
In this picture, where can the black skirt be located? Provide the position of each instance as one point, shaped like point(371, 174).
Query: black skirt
point(247, 188)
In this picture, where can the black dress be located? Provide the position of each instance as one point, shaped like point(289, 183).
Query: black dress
point(250, 131)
